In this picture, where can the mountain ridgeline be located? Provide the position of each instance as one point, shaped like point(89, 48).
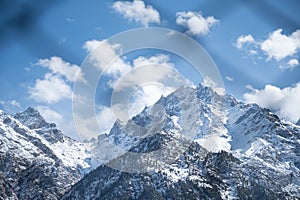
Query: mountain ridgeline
point(215, 147)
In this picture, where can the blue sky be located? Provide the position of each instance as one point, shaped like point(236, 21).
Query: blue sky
point(255, 46)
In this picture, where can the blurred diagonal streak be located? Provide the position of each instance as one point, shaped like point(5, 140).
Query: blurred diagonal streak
point(19, 22)
point(21, 17)
point(270, 13)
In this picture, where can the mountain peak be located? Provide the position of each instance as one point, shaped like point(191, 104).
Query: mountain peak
point(298, 122)
point(33, 119)
point(30, 111)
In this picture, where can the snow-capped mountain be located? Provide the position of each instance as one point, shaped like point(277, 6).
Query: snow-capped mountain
point(235, 151)
point(36, 160)
point(214, 147)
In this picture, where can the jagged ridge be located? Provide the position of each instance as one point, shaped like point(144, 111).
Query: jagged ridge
point(251, 153)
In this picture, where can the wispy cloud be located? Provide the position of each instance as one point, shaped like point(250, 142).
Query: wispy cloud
point(137, 11)
point(244, 39)
point(291, 64)
point(10, 106)
point(229, 78)
point(70, 20)
point(10, 103)
point(195, 23)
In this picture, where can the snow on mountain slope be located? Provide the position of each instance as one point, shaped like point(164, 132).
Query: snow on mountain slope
point(237, 151)
point(73, 154)
point(14, 140)
point(215, 148)
point(201, 115)
point(182, 113)
point(37, 160)
point(28, 167)
point(261, 140)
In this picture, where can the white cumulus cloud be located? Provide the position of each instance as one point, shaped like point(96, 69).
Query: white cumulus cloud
point(293, 63)
point(137, 11)
point(51, 89)
point(60, 67)
point(55, 85)
point(195, 23)
point(277, 46)
point(284, 102)
point(105, 56)
point(280, 46)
